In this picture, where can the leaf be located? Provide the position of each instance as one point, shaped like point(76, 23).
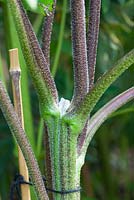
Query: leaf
point(45, 6)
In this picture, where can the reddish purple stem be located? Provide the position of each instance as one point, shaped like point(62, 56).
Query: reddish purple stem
point(79, 50)
point(92, 38)
point(47, 32)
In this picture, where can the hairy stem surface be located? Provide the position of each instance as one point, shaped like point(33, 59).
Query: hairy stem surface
point(47, 32)
point(21, 138)
point(82, 111)
point(92, 38)
point(33, 55)
point(79, 50)
point(65, 171)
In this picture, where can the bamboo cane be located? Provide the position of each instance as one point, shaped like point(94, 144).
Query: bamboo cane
point(15, 73)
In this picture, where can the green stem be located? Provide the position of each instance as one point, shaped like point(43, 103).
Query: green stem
point(60, 39)
point(81, 112)
point(35, 60)
point(21, 138)
point(101, 115)
point(14, 43)
point(53, 135)
point(63, 154)
point(73, 168)
point(49, 137)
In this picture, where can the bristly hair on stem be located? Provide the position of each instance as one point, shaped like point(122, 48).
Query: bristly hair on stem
point(92, 38)
point(21, 138)
point(33, 54)
point(47, 32)
point(79, 50)
point(82, 111)
point(92, 42)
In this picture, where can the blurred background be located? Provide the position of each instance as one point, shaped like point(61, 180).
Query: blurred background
point(108, 173)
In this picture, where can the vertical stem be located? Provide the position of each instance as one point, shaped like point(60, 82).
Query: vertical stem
point(48, 162)
point(47, 32)
point(79, 50)
point(46, 48)
point(73, 169)
point(65, 174)
point(92, 38)
point(21, 138)
point(54, 142)
point(14, 43)
point(33, 55)
point(64, 157)
point(15, 74)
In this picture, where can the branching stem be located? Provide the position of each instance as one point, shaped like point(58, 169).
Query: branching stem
point(82, 111)
point(33, 55)
point(101, 115)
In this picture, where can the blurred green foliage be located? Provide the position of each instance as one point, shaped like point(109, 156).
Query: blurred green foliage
point(108, 170)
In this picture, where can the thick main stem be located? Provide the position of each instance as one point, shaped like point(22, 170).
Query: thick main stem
point(65, 170)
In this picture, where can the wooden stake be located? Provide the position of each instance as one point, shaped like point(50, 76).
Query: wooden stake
point(15, 73)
